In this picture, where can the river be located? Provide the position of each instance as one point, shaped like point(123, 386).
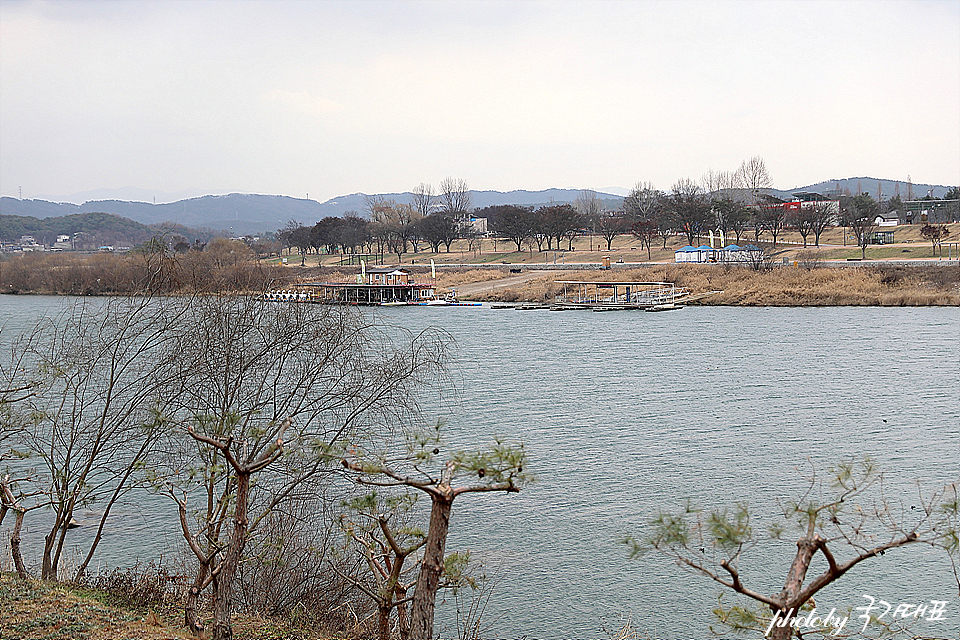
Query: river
point(627, 413)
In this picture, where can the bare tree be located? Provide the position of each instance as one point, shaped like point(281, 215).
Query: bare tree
point(269, 391)
point(936, 234)
point(395, 225)
point(378, 528)
point(12, 499)
point(455, 198)
point(719, 184)
point(724, 211)
point(438, 228)
point(738, 220)
point(689, 209)
point(644, 207)
point(92, 416)
point(497, 468)
point(643, 202)
point(862, 220)
point(801, 219)
point(374, 205)
point(588, 204)
point(774, 219)
point(296, 235)
point(540, 229)
point(424, 199)
point(561, 221)
point(645, 231)
point(849, 514)
point(824, 213)
point(511, 221)
point(611, 225)
point(752, 177)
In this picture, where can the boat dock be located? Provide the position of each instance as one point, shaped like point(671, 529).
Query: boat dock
point(617, 296)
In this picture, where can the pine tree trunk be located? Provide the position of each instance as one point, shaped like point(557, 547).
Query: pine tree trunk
point(223, 583)
point(222, 603)
point(15, 546)
point(780, 633)
point(190, 618)
point(10, 503)
point(403, 620)
point(806, 548)
point(425, 596)
point(383, 622)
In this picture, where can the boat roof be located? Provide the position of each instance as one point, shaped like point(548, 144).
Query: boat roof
point(386, 270)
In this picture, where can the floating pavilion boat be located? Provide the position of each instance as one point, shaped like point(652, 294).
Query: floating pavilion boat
point(382, 286)
point(379, 286)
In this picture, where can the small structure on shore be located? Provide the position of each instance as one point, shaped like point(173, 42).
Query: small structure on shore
point(730, 253)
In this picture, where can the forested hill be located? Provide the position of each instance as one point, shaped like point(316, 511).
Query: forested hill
point(98, 228)
point(246, 214)
point(888, 188)
point(234, 214)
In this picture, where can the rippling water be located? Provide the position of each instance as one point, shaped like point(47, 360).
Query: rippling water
point(626, 413)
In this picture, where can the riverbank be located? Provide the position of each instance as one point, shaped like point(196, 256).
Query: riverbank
point(926, 284)
point(900, 285)
point(34, 610)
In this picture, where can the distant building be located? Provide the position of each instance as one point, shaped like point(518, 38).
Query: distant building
point(932, 211)
point(387, 276)
point(805, 202)
point(477, 225)
point(729, 254)
point(29, 244)
point(882, 237)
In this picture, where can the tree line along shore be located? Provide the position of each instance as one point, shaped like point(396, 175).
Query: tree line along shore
point(800, 282)
point(911, 271)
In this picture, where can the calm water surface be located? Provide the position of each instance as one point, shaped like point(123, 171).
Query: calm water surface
point(627, 413)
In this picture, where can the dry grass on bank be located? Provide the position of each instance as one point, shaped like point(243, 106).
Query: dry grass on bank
point(787, 286)
point(31, 610)
point(448, 279)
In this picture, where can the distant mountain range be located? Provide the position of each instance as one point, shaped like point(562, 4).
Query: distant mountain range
point(246, 214)
point(888, 188)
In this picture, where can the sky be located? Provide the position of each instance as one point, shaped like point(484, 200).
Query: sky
point(320, 99)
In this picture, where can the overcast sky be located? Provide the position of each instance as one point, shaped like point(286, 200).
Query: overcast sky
point(330, 98)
